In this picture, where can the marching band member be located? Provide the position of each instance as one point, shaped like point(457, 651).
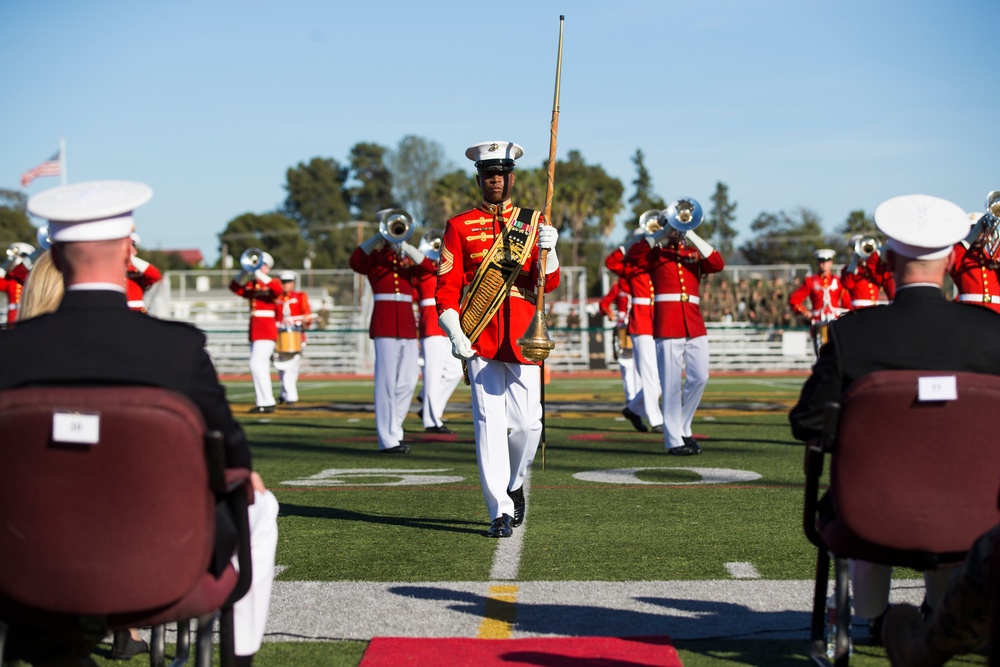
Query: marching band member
point(389, 268)
point(294, 316)
point(494, 251)
point(867, 275)
point(646, 402)
point(13, 273)
point(677, 258)
point(262, 292)
point(827, 297)
point(977, 260)
point(619, 297)
point(140, 276)
point(442, 370)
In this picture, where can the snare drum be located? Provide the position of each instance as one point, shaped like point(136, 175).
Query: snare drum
point(289, 341)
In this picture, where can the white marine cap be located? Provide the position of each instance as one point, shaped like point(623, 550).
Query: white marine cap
point(136, 239)
point(824, 254)
point(494, 155)
point(921, 226)
point(287, 276)
point(268, 259)
point(90, 211)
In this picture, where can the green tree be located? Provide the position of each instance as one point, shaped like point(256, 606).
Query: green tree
point(718, 223)
point(316, 198)
point(644, 198)
point(782, 238)
point(451, 194)
point(373, 189)
point(585, 202)
point(14, 223)
point(857, 222)
point(274, 233)
point(416, 165)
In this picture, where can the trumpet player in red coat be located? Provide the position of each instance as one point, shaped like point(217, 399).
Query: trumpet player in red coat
point(826, 295)
point(254, 285)
point(13, 274)
point(140, 275)
point(867, 277)
point(676, 259)
point(977, 258)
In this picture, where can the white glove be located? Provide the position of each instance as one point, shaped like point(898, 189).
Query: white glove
point(414, 254)
point(461, 346)
point(547, 237)
point(262, 277)
point(370, 244)
point(704, 249)
point(551, 262)
point(140, 264)
point(592, 309)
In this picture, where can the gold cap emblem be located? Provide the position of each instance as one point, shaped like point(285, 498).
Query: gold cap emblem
point(494, 147)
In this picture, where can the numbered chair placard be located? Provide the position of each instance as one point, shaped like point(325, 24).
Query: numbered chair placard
point(76, 428)
point(938, 388)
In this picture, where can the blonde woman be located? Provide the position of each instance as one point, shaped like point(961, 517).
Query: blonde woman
point(43, 290)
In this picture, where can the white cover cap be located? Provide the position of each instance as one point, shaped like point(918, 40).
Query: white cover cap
point(269, 260)
point(494, 155)
point(90, 211)
point(287, 276)
point(921, 226)
point(824, 254)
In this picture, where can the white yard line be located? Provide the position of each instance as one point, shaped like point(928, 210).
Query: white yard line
point(742, 571)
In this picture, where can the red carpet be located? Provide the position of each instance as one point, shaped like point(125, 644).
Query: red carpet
point(554, 652)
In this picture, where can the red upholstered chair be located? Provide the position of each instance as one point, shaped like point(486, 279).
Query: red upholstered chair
point(108, 514)
point(913, 482)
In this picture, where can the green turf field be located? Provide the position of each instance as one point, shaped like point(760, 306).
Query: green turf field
point(379, 546)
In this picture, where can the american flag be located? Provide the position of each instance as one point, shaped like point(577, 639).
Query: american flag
point(48, 168)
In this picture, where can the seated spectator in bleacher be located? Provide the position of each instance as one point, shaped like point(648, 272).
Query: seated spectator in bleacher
point(920, 330)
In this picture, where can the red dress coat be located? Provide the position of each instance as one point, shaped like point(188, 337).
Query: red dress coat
point(297, 304)
point(977, 284)
point(137, 283)
point(467, 238)
point(13, 284)
point(390, 274)
point(640, 286)
point(262, 297)
point(863, 284)
point(826, 294)
point(425, 275)
point(676, 272)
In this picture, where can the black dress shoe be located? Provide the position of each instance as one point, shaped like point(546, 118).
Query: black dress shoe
point(656, 429)
point(684, 450)
point(500, 527)
point(398, 449)
point(444, 430)
point(635, 419)
point(261, 409)
point(123, 647)
point(519, 505)
point(691, 442)
point(282, 401)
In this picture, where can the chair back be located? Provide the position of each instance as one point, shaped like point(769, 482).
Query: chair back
point(122, 522)
point(912, 474)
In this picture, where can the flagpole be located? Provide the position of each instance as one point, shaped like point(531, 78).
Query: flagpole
point(62, 161)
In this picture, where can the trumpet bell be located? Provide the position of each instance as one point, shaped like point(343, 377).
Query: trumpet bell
point(252, 259)
point(649, 221)
point(682, 214)
point(395, 225)
point(44, 240)
point(430, 243)
point(865, 246)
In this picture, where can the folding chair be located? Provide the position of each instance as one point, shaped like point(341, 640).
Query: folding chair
point(108, 500)
point(913, 481)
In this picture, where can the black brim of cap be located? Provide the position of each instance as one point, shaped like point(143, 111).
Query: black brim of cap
point(499, 165)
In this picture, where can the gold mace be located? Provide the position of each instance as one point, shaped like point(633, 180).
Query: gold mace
point(536, 343)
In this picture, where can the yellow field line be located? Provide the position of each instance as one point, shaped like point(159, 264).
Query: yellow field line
point(499, 614)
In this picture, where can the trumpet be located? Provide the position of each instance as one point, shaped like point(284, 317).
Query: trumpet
point(649, 221)
point(864, 247)
point(18, 253)
point(394, 224)
point(682, 214)
point(987, 231)
point(430, 244)
point(252, 259)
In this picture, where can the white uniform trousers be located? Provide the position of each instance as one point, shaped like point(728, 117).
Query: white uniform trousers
point(507, 419)
point(250, 611)
point(870, 583)
point(646, 402)
point(396, 373)
point(260, 371)
point(683, 366)
point(442, 373)
point(288, 373)
point(630, 378)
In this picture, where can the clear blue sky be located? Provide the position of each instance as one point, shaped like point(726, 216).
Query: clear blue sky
point(832, 105)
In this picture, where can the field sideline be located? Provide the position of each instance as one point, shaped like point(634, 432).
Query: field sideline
point(620, 539)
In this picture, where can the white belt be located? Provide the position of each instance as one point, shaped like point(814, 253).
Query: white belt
point(676, 297)
point(137, 304)
point(641, 301)
point(11, 306)
point(262, 313)
point(978, 298)
point(428, 302)
point(863, 302)
point(394, 297)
